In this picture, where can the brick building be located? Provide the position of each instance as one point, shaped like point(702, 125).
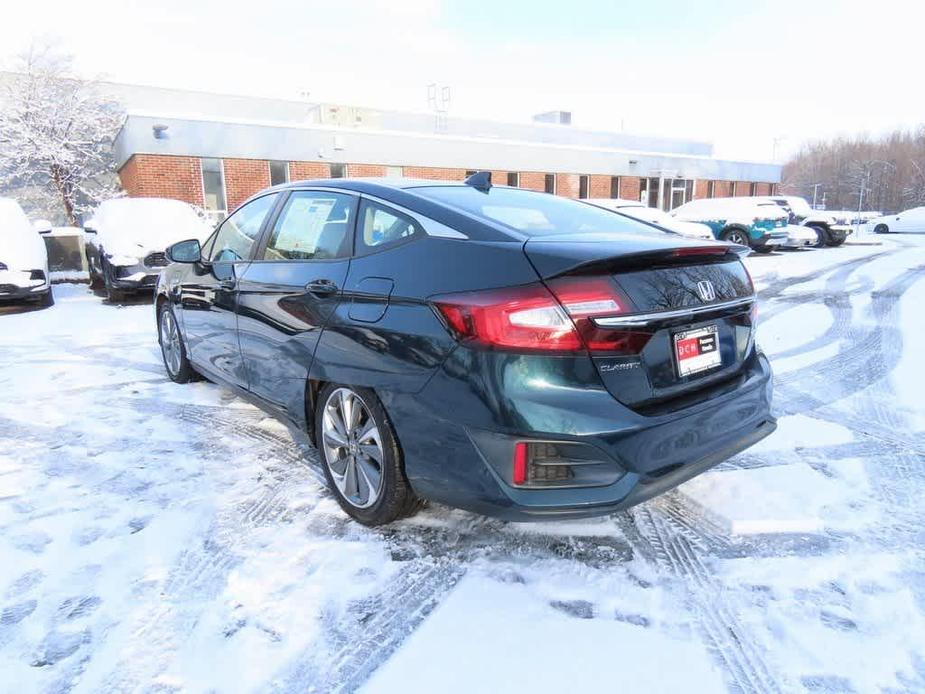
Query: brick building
point(216, 150)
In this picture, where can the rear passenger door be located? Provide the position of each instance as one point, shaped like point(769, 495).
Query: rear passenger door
point(290, 289)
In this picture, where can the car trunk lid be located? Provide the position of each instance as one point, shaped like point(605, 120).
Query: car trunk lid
point(685, 318)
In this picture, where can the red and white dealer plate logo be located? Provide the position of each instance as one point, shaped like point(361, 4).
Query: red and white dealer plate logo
point(697, 350)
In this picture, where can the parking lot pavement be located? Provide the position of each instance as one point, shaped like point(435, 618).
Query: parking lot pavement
point(157, 537)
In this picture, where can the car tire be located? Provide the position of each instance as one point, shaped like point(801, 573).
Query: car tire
point(96, 282)
point(736, 236)
point(173, 351)
point(822, 237)
point(48, 298)
point(351, 429)
point(881, 229)
point(763, 249)
point(834, 243)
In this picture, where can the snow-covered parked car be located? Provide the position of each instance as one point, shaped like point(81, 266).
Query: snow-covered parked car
point(739, 220)
point(127, 239)
point(653, 215)
point(909, 221)
point(23, 258)
point(828, 229)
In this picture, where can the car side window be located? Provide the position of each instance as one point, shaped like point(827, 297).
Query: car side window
point(237, 234)
point(381, 225)
point(313, 225)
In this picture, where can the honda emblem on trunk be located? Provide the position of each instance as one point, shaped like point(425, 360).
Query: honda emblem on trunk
point(706, 291)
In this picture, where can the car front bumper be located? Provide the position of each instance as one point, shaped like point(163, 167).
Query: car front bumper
point(16, 286)
point(459, 455)
point(134, 277)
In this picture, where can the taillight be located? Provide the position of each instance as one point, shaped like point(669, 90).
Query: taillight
point(555, 317)
point(586, 298)
point(526, 318)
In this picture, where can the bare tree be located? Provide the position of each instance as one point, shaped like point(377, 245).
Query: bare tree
point(889, 168)
point(56, 135)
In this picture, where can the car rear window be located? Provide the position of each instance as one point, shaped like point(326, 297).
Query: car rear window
point(532, 213)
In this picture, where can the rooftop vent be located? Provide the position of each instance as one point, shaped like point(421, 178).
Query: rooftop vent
point(558, 117)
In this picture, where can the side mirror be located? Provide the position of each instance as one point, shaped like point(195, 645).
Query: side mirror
point(89, 230)
point(42, 226)
point(185, 252)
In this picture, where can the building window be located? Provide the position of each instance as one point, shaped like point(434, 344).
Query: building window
point(393, 171)
point(213, 187)
point(615, 187)
point(513, 179)
point(279, 172)
point(711, 189)
point(753, 189)
point(583, 184)
point(732, 189)
point(338, 170)
point(550, 184)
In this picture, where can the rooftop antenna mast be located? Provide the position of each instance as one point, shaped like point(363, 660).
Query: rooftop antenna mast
point(438, 100)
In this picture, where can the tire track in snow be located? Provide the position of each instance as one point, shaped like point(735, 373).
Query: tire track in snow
point(674, 550)
point(868, 355)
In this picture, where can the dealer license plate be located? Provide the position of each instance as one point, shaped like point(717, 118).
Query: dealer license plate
point(697, 350)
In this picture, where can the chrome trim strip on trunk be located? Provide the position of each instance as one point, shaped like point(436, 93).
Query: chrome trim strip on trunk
point(643, 318)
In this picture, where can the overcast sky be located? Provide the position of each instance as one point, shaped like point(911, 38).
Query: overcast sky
point(741, 74)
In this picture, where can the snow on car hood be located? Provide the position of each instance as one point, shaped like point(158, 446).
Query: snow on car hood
point(21, 247)
point(138, 226)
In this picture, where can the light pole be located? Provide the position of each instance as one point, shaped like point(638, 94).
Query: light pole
point(865, 186)
point(815, 190)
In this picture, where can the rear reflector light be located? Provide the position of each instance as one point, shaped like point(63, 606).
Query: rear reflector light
point(534, 317)
point(538, 464)
point(519, 474)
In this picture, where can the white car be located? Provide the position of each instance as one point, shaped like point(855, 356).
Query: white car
point(653, 215)
point(909, 221)
point(127, 239)
point(23, 258)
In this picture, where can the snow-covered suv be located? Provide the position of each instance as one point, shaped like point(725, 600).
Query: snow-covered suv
point(830, 231)
point(23, 258)
point(762, 226)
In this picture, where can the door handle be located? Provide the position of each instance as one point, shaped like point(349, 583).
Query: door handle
point(321, 287)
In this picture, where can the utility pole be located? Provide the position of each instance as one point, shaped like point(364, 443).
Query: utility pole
point(815, 190)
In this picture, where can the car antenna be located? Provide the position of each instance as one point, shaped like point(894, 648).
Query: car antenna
point(480, 180)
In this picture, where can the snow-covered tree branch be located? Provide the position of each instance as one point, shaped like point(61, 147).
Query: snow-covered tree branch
point(56, 134)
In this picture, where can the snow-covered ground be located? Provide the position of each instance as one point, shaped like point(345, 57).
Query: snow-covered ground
point(156, 537)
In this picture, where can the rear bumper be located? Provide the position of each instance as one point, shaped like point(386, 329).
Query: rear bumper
point(799, 236)
point(774, 238)
point(458, 442)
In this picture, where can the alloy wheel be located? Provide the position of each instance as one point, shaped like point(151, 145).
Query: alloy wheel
point(352, 447)
point(170, 342)
point(737, 237)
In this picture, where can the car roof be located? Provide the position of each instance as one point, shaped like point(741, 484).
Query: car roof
point(368, 184)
